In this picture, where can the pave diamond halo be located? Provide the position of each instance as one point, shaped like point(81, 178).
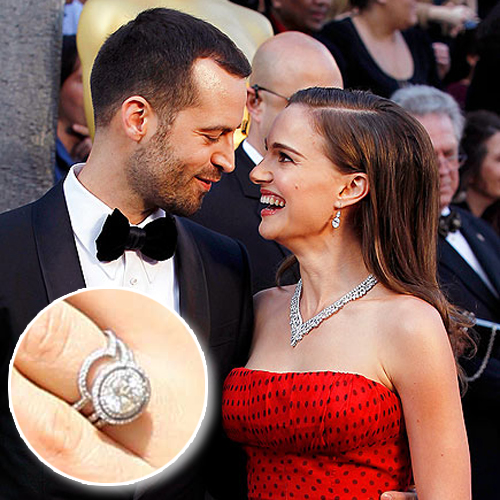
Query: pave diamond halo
point(300, 329)
point(121, 389)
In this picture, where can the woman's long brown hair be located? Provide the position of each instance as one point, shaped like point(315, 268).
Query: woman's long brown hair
point(397, 222)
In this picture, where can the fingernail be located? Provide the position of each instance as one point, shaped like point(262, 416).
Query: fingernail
point(386, 496)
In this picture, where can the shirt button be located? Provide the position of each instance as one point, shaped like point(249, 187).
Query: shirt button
point(133, 281)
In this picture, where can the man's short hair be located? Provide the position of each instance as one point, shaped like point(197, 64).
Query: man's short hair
point(152, 56)
point(422, 100)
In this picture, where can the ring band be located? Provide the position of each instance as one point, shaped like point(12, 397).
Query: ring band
point(121, 390)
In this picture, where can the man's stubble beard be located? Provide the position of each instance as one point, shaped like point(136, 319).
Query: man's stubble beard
point(158, 177)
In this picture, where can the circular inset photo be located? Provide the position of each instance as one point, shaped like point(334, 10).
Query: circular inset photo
point(108, 386)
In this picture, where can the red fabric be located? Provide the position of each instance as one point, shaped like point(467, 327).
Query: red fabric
point(317, 435)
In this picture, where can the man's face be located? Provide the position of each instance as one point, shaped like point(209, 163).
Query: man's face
point(178, 165)
point(71, 108)
point(303, 15)
point(440, 129)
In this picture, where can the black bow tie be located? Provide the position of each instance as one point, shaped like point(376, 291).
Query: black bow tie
point(157, 240)
point(449, 223)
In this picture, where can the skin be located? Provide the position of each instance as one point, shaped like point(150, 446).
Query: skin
point(445, 143)
point(484, 189)
point(45, 370)
point(379, 25)
point(389, 334)
point(301, 15)
point(71, 115)
point(138, 166)
point(286, 63)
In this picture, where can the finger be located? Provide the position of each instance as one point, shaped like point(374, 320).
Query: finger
point(169, 355)
point(52, 350)
point(66, 440)
point(65, 337)
point(51, 353)
point(398, 495)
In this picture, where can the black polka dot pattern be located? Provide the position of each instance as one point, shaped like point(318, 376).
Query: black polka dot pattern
point(316, 435)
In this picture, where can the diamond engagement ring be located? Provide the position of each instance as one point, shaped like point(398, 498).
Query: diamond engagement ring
point(121, 389)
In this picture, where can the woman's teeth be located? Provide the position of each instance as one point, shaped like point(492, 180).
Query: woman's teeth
point(272, 200)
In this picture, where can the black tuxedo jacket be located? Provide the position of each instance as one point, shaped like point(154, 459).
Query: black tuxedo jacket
point(465, 288)
point(233, 209)
point(39, 263)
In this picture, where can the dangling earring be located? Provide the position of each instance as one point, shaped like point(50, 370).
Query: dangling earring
point(336, 220)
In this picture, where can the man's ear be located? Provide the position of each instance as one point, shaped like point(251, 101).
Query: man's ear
point(254, 104)
point(138, 118)
point(355, 188)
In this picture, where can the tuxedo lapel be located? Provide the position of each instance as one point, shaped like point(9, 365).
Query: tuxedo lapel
point(193, 289)
point(449, 258)
point(55, 244)
point(485, 253)
point(244, 167)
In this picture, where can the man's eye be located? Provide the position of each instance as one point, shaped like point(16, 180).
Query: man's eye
point(283, 157)
point(212, 139)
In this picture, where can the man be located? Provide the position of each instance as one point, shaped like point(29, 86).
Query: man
point(247, 28)
point(469, 273)
point(282, 65)
point(308, 16)
point(168, 93)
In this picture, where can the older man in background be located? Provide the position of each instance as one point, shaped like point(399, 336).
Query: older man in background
point(469, 273)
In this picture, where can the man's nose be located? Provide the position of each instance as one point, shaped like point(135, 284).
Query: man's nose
point(224, 156)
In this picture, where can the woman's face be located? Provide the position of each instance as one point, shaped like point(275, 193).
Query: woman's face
point(297, 181)
point(488, 180)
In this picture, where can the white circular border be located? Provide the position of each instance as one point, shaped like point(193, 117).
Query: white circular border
point(208, 418)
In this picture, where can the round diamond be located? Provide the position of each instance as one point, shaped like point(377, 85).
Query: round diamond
point(121, 392)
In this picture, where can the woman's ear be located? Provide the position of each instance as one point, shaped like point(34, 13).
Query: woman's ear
point(138, 118)
point(355, 189)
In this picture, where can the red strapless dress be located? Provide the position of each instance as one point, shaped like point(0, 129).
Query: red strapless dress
point(317, 435)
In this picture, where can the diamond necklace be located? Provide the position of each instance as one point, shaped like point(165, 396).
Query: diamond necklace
point(301, 329)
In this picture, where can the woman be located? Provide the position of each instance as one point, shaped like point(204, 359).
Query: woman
point(378, 50)
point(351, 188)
point(480, 174)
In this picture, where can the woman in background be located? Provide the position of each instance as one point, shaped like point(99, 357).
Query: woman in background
point(352, 371)
point(379, 51)
point(480, 173)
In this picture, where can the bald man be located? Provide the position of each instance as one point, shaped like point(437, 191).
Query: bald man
point(282, 65)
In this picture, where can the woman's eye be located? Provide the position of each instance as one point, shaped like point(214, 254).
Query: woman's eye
point(283, 157)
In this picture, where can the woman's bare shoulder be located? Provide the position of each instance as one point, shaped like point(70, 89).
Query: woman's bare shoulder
point(413, 332)
point(268, 302)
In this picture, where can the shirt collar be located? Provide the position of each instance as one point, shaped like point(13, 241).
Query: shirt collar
point(254, 155)
point(88, 213)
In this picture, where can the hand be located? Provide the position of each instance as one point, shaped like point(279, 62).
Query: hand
point(399, 495)
point(458, 14)
point(442, 55)
point(81, 150)
point(43, 385)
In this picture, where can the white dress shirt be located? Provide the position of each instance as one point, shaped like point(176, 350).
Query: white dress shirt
point(254, 155)
point(132, 270)
point(459, 243)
